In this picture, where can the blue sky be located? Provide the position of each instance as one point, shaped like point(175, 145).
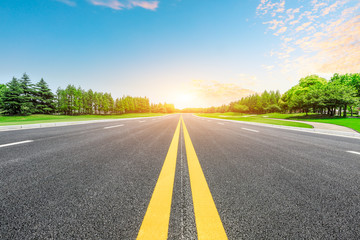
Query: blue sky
point(191, 53)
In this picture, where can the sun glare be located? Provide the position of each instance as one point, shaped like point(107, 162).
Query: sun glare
point(184, 100)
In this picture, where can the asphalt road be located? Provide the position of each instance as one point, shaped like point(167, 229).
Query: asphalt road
point(95, 182)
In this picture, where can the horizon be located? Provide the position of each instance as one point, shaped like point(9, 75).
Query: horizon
point(187, 53)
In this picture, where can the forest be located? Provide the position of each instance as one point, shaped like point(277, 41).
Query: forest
point(22, 97)
point(337, 96)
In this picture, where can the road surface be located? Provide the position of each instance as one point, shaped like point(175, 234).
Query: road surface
point(97, 181)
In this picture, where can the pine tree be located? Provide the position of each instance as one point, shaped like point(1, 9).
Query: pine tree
point(28, 93)
point(12, 100)
point(45, 99)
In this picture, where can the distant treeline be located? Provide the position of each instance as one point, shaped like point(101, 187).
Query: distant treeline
point(21, 97)
point(312, 94)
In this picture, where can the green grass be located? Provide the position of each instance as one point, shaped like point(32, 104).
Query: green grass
point(253, 118)
point(353, 123)
point(42, 118)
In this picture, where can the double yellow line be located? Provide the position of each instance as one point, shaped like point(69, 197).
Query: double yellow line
point(155, 224)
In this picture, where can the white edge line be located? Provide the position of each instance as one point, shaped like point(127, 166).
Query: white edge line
point(251, 130)
point(114, 126)
point(16, 143)
point(221, 123)
point(358, 153)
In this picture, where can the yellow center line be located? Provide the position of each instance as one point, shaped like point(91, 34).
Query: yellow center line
point(155, 224)
point(208, 222)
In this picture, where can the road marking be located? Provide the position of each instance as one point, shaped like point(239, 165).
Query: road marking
point(248, 129)
point(209, 120)
point(142, 121)
point(220, 123)
point(16, 143)
point(353, 152)
point(155, 224)
point(208, 222)
point(114, 126)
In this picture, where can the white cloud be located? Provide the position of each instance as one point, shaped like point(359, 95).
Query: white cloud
point(67, 2)
point(119, 5)
point(320, 36)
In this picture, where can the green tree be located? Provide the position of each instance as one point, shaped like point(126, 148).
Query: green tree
point(13, 100)
point(45, 99)
point(240, 108)
point(338, 95)
point(29, 93)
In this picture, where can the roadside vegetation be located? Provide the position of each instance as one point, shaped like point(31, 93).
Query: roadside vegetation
point(313, 94)
point(22, 97)
point(313, 99)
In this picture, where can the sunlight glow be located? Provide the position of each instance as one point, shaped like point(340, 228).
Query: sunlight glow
point(184, 100)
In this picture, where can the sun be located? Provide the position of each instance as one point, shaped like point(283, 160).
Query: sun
point(184, 100)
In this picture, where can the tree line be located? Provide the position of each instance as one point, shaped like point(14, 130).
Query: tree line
point(21, 97)
point(312, 94)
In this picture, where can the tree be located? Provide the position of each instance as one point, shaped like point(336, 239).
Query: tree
point(13, 101)
point(352, 80)
point(337, 95)
point(28, 91)
point(45, 99)
point(240, 108)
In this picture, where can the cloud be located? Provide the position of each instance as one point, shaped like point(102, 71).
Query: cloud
point(119, 5)
point(319, 36)
point(336, 51)
point(332, 8)
point(67, 2)
point(275, 23)
point(144, 4)
point(215, 93)
point(281, 30)
point(303, 26)
point(114, 4)
point(267, 5)
point(268, 67)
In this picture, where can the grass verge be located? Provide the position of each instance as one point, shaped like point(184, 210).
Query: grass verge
point(42, 118)
point(353, 123)
point(253, 118)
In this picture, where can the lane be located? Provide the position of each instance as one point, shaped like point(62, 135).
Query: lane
point(208, 222)
point(81, 182)
point(156, 220)
point(279, 184)
point(19, 135)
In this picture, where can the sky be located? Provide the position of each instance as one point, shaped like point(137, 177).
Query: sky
point(186, 52)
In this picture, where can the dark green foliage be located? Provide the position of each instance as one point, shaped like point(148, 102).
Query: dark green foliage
point(13, 100)
point(28, 94)
point(21, 97)
point(44, 98)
